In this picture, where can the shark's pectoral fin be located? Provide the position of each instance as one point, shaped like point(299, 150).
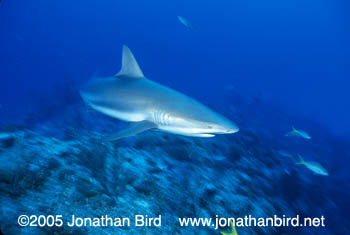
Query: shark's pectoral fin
point(133, 129)
point(130, 68)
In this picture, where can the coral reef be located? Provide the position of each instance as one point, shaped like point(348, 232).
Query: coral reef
point(62, 167)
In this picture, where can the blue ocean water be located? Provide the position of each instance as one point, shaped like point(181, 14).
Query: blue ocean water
point(269, 66)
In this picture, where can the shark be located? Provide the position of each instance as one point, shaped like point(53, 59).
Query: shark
point(298, 133)
point(147, 105)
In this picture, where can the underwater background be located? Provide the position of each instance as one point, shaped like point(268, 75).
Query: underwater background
point(268, 66)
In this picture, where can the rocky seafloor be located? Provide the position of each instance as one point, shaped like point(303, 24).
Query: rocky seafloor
point(61, 167)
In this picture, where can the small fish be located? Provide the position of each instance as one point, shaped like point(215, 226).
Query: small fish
point(233, 228)
point(315, 167)
point(286, 171)
point(184, 21)
point(285, 154)
point(298, 133)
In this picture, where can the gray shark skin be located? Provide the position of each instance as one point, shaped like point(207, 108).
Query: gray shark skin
point(131, 97)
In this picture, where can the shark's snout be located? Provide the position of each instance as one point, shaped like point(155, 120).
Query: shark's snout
point(224, 126)
point(233, 128)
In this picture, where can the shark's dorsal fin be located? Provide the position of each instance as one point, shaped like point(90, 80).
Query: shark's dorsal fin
point(130, 68)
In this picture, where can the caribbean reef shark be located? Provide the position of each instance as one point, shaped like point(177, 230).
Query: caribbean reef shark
point(147, 105)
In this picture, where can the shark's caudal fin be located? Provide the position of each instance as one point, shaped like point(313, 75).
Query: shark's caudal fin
point(130, 67)
point(133, 129)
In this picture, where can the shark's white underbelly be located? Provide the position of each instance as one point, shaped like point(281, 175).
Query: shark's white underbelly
point(185, 131)
point(163, 120)
point(125, 116)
